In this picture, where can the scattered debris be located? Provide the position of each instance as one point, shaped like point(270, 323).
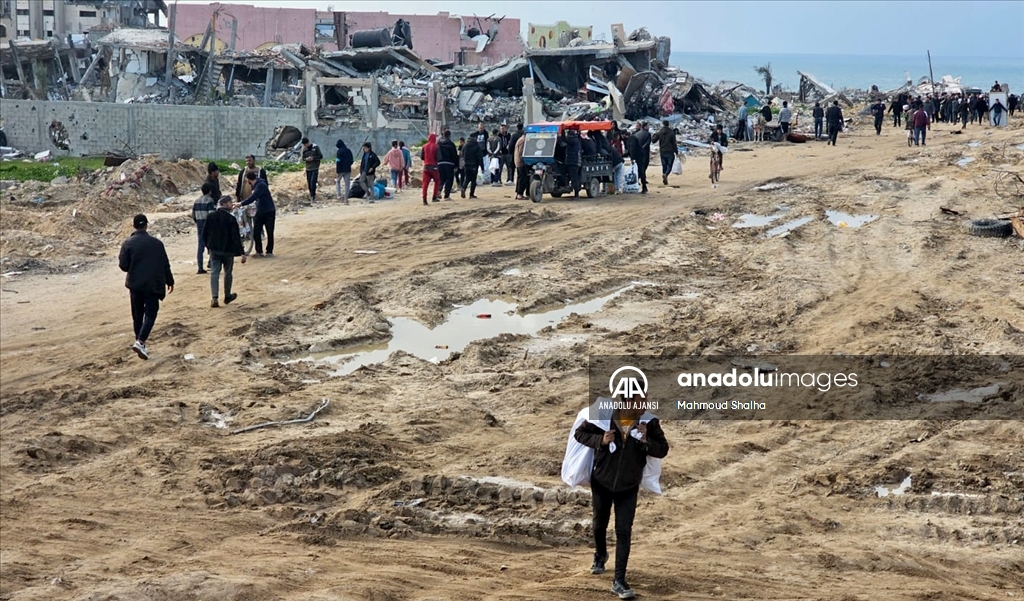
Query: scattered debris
point(308, 418)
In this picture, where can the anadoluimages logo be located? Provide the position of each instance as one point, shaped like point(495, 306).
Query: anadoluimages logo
point(623, 384)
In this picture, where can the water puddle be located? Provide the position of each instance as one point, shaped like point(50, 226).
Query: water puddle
point(838, 218)
point(483, 319)
point(904, 486)
point(974, 395)
point(785, 228)
point(755, 220)
point(965, 161)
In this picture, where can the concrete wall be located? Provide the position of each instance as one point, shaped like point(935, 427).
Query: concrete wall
point(256, 25)
point(170, 130)
point(439, 36)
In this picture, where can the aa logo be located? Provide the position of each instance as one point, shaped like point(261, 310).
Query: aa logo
point(626, 383)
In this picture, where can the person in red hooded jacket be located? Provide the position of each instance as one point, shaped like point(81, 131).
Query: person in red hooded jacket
point(430, 172)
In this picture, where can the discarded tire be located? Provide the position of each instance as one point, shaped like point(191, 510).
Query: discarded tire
point(990, 228)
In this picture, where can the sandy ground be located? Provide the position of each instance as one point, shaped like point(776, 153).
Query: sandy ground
point(440, 481)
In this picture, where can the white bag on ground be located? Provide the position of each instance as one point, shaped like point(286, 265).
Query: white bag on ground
point(677, 166)
point(579, 459)
point(494, 165)
point(631, 177)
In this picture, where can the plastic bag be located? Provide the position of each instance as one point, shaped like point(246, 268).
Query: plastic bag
point(677, 166)
point(495, 165)
point(578, 462)
point(631, 178)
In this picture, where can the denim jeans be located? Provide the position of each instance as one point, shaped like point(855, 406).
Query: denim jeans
point(218, 260)
point(396, 181)
point(667, 159)
point(818, 126)
point(337, 185)
point(919, 135)
point(199, 253)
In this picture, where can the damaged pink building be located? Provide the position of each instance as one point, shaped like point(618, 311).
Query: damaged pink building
point(462, 40)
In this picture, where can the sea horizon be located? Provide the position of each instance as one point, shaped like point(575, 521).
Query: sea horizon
point(850, 71)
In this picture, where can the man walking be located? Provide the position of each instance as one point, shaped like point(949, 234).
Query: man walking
point(896, 108)
point(225, 243)
point(311, 156)
point(472, 153)
point(666, 139)
point(430, 171)
point(639, 148)
point(447, 159)
point(201, 209)
point(368, 170)
point(819, 117)
point(266, 214)
point(834, 116)
point(242, 187)
point(149, 280)
point(878, 110)
point(922, 123)
point(406, 163)
point(343, 160)
point(620, 457)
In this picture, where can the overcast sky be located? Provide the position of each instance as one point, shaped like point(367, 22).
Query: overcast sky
point(973, 28)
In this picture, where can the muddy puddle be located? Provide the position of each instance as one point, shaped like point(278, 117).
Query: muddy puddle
point(483, 319)
point(785, 228)
point(754, 220)
point(904, 486)
point(841, 219)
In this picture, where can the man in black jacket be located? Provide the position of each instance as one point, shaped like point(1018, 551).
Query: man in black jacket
point(519, 133)
point(573, 159)
point(668, 148)
point(639, 149)
point(149, 279)
point(224, 241)
point(213, 178)
point(505, 148)
point(834, 117)
point(615, 481)
point(447, 159)
point(368, 170)
point(878, 110)
point(473, 153)
point(311, 156)
point(266, 214)
point(819, 120)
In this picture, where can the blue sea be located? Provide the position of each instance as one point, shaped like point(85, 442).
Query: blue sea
point(844, 71)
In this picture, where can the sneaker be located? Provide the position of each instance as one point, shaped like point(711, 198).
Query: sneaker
point(270, 255)
point(230, 297)
point(140, 349)
point(425, 202)
point(258, 256)
point(620, 588)
point(214, 303)
point(598, 567)
point(436, 199)
point(201, 272)
point(473, 196)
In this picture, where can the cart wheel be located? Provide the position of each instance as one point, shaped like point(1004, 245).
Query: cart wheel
point(593, 188)
point(536, 190)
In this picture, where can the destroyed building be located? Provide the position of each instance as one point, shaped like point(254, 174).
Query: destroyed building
point(46, 19)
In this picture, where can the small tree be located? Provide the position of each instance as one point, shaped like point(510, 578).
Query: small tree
point(765, 71)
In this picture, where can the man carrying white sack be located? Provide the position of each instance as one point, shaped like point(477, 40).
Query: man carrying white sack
point(624, 442)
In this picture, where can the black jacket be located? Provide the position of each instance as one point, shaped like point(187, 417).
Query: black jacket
point(667, 140)
point(834, 115)
point(818, 113)
point(221, 233)
point(313, 153)
point(241, 175)
point(505, 148)
point(766, 112)
point(343, 158)
point(261, 196)
point(145, 261)
point(623, 469)
point(446, 152)
point(369, 163)
point(472, 152)
point(638, 147)
point(215, 182)
point(573, 150)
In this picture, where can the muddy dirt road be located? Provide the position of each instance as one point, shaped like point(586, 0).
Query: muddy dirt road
point(440, 479)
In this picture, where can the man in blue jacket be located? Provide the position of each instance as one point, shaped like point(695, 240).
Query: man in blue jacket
point(149, 280)
point(343, 169)
point(266, 214)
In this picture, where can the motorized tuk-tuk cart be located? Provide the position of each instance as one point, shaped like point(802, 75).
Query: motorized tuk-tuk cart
point(545, 159)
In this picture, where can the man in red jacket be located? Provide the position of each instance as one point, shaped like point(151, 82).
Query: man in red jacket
point(430, 171)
